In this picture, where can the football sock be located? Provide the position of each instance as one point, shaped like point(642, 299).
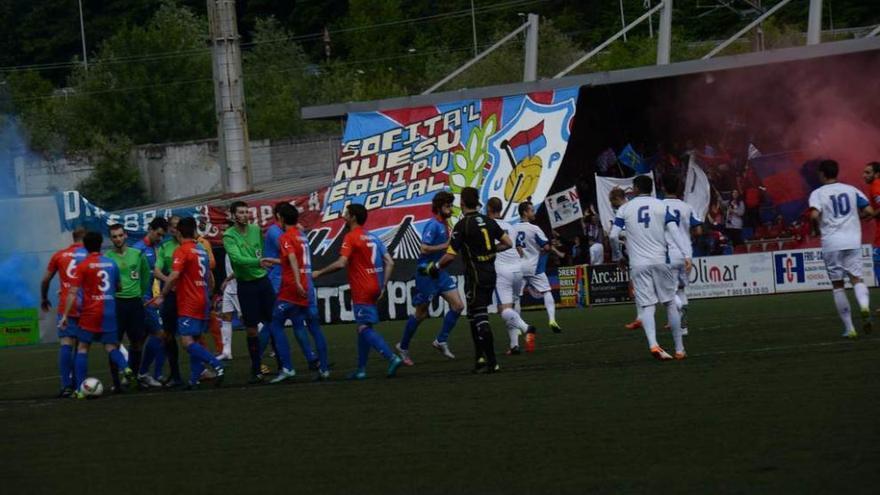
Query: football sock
point(114, 371)
point(198, 352)
point(226, 335)
point(302, 338)
point(253, 345)
point(149, 354)
point(449, 322)
point(412, 324)
point(684, 316)
point(550, 304)
point(195, 368)
point(682, 298)
point(172, 354)
point(278, 363)
point(843, 309)
point(263, 335)
point(363, 350)
point(646, 315)
point(160, 360)
point(118, 359)
point(123, 349)
point(484, 335)
point(478, 350)
point(320, 341)
point(513, 334)
point(513, 320)
point(861, 291)
point(134, 358)
point(282, 346)
point(674, 319)
point(65, 365)
point(378, 343)
point(81, 364)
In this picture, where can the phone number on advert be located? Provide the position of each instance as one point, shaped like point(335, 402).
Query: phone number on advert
point(749, 291)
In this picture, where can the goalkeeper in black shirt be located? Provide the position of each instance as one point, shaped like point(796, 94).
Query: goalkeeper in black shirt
point(477, 238)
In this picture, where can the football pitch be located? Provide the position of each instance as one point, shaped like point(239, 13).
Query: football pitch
point(771, 400)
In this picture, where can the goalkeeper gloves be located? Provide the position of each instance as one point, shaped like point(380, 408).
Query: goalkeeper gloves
point(430, 269)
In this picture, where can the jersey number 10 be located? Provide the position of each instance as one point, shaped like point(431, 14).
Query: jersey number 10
point(840, 205)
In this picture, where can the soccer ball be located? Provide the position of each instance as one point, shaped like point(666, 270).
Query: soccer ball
point(92, 388)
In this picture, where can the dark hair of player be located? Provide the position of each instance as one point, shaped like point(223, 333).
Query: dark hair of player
point(441, 199)
point(79, 233)
point(875, 166)
point(187, 227)
point(616, 193)
point(288, 213)
point(524, 207)
point(277, 208)
point(644, 184)
point(671, 184)
point(359, 212)
point(470, 198)
point(236, 205)
point(116, 226)
point(828, 169)
point(158, 223)
point(494, 205)
point(92, 241)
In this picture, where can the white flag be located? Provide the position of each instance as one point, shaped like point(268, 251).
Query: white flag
point(696, 190)
point(563, 207)
point(753, 151)
point(604, 185)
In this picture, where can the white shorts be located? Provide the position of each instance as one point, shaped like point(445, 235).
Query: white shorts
point(508, 286)
point(680, 274)
point(230, 302)
point(847, 262)
point(536, 283)
point(597, 254)
point(653, 284)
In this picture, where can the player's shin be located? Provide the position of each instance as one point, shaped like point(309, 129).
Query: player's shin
point(226, 336)
point(449, 322)
point(150, 348)
point(320, 342)
point(674, 317)
point(302, 338)
point(118, 358)
point(363, 350)
point(550, 305)
point(65, 365)
point(172, 354)
point(253, 346)
point(843, 308)
point(412, 324)
point(282, 346)
point(378, 343)
point(81, 364)
point(861, 292)
point(646, 315)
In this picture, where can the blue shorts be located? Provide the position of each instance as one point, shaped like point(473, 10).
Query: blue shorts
point(288, 311)
point(71, 329)
point(191, 327)
point(152, 320)
point(88, 337)
point(366, 314)
point(876, 257)
point(428, 288)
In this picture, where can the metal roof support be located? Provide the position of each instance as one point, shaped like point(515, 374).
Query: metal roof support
point(530, 67)
point(664, 34)
point(610, 40)
point(814, 23)
point(746, 29)
point(483, 54)
point(874, 32)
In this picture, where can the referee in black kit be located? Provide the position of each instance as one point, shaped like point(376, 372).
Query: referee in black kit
point(477, 238)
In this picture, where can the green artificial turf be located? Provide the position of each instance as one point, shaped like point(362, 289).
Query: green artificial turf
point(771, 400)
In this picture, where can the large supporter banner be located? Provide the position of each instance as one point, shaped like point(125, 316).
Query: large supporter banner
point(800, 270)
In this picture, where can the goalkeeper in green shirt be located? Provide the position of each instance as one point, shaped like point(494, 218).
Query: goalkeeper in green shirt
point(134, 275)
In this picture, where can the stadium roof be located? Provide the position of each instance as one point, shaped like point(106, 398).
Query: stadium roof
point(601, 78)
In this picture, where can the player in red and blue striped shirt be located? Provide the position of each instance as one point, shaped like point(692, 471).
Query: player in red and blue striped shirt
point(192, 278)
point(64, 262)
point(95, 281)
point(369, 269)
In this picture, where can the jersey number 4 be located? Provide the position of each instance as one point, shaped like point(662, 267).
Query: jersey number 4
point(644, 216)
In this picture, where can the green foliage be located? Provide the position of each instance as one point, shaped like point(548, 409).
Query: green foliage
point(115, 183)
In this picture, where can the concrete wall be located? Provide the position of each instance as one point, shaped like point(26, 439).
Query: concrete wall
point(178, 170)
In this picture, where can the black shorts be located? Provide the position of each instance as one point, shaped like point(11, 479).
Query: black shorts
point(257, 300)
point(168, 312)
point(130, 318)
point(479, 296)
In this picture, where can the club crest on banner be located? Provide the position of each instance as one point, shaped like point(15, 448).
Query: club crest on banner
point(525, 155)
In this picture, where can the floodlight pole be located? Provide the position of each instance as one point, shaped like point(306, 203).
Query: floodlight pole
point(484, 53)
point(814, 23)
point(664, 34)
point(530, 67)
point(874, 32)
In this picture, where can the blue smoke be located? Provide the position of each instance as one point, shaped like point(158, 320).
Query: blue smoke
point(20, 276)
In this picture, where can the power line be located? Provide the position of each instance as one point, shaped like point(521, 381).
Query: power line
point(304, 37)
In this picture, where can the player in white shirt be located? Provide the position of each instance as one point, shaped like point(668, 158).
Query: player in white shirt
point(687, 224)
point(509, 284)
point(228, 306)
point(617, 197)
point(647, 221)
point(836, 208)
point(535, 247)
